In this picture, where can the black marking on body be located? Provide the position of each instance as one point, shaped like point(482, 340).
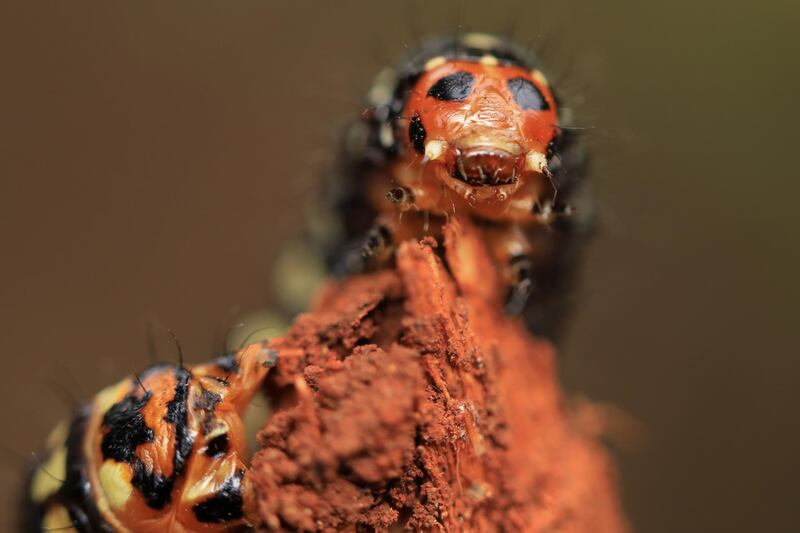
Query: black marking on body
point(527, 95)
point(207, 401)
point(79, 499)
point(31, 515)
point(155, 488)
point(75, 494)
point(417, 133)
point(218, 446)
point(225, 505)
point(205, 404)
point(228, 363)
point(455, 87)
point(125, 428)
point(178, 416)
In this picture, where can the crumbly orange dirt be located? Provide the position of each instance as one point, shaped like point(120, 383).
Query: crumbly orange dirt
point(407, 400)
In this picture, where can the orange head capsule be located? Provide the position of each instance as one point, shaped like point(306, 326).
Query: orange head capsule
point(481, 123)
point(471, 126)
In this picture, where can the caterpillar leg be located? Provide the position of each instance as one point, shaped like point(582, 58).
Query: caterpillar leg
point(388, 231)
point(513, 256)
point(365, 253)
point(378, 242)
point(521, 283)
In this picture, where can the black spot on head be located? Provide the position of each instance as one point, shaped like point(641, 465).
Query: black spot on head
point(125, 429)
point(527, 95)
point(453, 87)
point(225, 505)
point(417, 134)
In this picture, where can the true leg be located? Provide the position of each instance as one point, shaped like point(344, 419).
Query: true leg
point(378, 242)
point(512, 252)
point(521, 283)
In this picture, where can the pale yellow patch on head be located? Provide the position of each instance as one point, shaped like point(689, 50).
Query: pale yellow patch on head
point(386, 135)
point(489, 61)
point(115, 480)
point(539, 78)
point(57, 518)
point(434, 62)
point(435, 149)
point(50, 475)
point(536, 161)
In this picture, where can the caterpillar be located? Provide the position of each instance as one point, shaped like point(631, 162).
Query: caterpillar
point(468, 126)
point(163, 450)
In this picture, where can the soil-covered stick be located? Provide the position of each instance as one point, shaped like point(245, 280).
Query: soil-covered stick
point(407, 399)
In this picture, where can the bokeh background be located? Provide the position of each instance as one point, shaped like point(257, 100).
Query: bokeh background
point(154, 157)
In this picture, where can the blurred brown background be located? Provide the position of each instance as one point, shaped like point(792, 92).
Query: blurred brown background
point(154, 157)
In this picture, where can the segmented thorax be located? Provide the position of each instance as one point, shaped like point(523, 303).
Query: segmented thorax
point(163, 451)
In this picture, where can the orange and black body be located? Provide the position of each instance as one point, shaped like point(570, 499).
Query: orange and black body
point(468, 127)
point(162, 451)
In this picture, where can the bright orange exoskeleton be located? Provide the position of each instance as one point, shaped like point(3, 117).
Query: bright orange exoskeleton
point(161, 451)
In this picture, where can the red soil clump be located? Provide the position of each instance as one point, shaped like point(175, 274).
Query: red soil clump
point(406, 399)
